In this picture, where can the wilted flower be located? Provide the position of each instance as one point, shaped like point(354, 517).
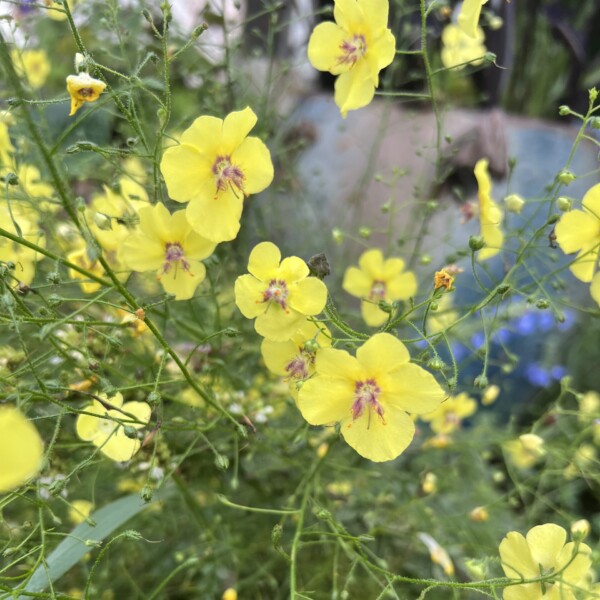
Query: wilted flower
point(82, 88)
point(356, 47)
point(438, 554)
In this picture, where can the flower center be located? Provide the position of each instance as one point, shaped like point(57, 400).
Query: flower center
point(277, 292)
point(298, 367)
point(174, 255)
point(85, 92)
point(106, 426)
point(366, 394)
point(352, 50)
point(377, 291)
point(227, 175)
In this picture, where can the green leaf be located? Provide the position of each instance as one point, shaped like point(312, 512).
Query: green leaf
point(74, 547)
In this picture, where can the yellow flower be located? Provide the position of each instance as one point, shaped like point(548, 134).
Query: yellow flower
point(525, 451)
point(79, 510)
point(459, 48)
point(490, 214)
point(295, 358)
point(479, 514)
point(33, 65)
point(279, 293)
point(229, 594)
point(166, 244)
point(543, 552)
point(83, 88)
point(370, 396)
point(429, 483)
point(356, 47)
point(58, 15)
point(378, 279)
point(81, 258)
point(447, 417)
point(106, 427)
point(468, 18)
point(437, 553)
point(589, 406)
point(490, 395)
point(214, 168)
point(21, 449)
point(579, 231)
point(22, 257)
point(6, 147)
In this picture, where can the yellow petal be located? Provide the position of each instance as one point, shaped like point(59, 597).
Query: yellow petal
point(545, 542)
point(249, 296)
point(379, 439)
point(382, 353)
point(584, 265)
point(375, 13)
point(325, 400)
point(372, 315)
point(380, 54)
point(216, 219)
point(527, 591)
point(277, 355)
point(591, 201)
point(277, 324)
point(371, 262)
point(412, 389)
point(119, 447)
point(182, 284)
point(332, 363)
point(292, 269)
point(254, 160)
point(140, 253)
point(349, 16)
point(186, 171)
point(196, 247)
point(205, 135)
point(324, 48)
point(577, 230)
point(236, 126)
point(87, 425)
point(357, 282)
point(141, 412)
point(264, 261)
point(595, 288)
point(577, 567)
point(515, 557)
point(401, 287)
point(468, 18)
point(493, 237)
point(21, 449)
point(355, 88)
point(308, 296)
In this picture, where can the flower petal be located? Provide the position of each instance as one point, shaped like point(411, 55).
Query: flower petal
point(254, 160)
point(591, 201)
point(375, 13)
point(357, 283)
point(515, 557)
point(308, 296)
point(468, 18)
point(372, 315)
point(545, 543)
point(579, 566)
point(382, 353)
point(332, 362)
point(349, 16)
point(325, 400)
point(140, 253)
point(277, 355)
point(277, 324)
point(355, 88)
point(292, 269)
point(371, 262)
point(324, 48)
point(182, 284)
point(249, 296)
point(216, 219)
point(236, 126)
point(401, 287)
point(379, 439)
point(264, 261)
point(577, 230)
point(413, 390)
point(205, 135)
point(196, 247)
point(584, 265)
point(380, 54)
point(140, 410)
point(87, 425)
point(186, 170)
point(595, 288)
point(119, 447)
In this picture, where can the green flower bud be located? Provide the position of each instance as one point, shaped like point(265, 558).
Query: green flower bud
point(130, 432)
point(365, 232)
point(593, 94)
point(564, 110)
point(563, 203)
point(542, 304)
point(476, 242)
point(514, 203)
point(337, 235)
point(311, 346)
point(481, 381)
point(566, 177)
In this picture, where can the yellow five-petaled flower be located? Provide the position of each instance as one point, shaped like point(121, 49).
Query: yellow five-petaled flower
point(356, 47)
point(370, 395)
point(214, 168)
point(279, 293)
point(166, 244)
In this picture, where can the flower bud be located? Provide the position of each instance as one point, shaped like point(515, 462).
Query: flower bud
point(563, 203)
point(542, 304)
point(479, 514)
point(566, 177)
point(564, 110)
point(337, 235)
point(429, 484)
point(490, 395)
point(476, 242)
point(595, 122)
point(130, 432)
point(580, 529)
point(593, 94)
point(103, 222)
point(386, 307)
point(365, 232)
point(311, 345)
point(514, 203)
point(481, 381)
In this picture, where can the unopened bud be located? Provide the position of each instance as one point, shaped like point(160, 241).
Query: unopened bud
point(102, 221)
point(481, 381)
point(580, 529)
point(311, 346)
point(476, 242)
point(593, 94)
point(566, 177)
point(337, 235)
point(365, 232)
point(563, 204)
point(514, 203)
point(564, 110)
point(479, 514)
